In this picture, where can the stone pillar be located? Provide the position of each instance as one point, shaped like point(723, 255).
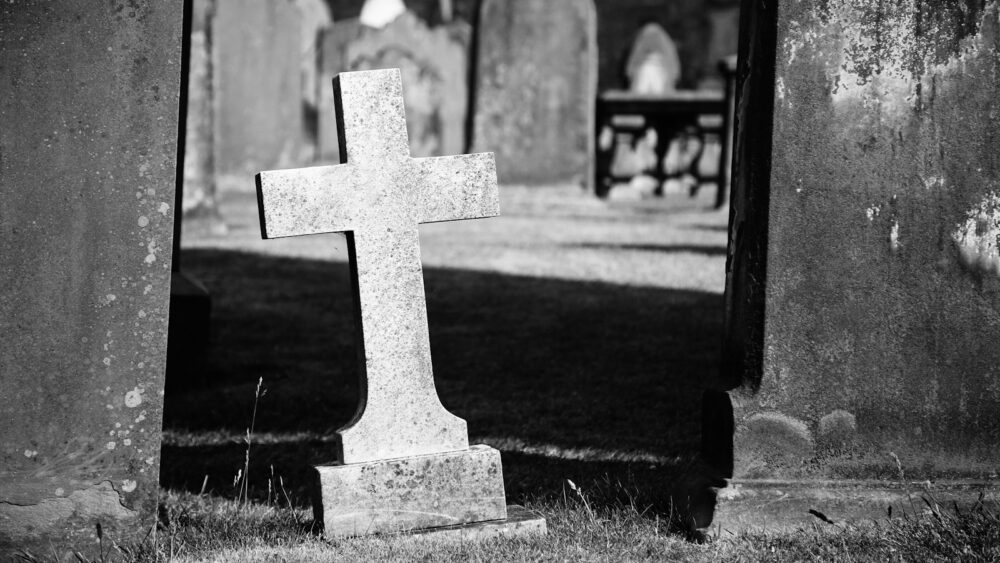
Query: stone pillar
point(863, 289)
point(536, 89)
point(88, 144)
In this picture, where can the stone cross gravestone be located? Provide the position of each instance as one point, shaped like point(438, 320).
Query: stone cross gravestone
point(404, 462)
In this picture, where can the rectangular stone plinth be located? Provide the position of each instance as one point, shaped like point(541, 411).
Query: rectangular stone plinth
point(410, 493)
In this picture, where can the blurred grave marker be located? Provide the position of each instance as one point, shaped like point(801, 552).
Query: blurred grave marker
point(434, 63)
point(535, 89)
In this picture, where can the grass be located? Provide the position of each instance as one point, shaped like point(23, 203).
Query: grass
point(574, 336)
point(208, 528)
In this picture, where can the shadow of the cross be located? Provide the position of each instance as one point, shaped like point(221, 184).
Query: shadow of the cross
point(594, 382)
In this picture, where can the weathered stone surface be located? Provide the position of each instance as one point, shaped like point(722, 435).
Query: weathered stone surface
point(333, 47)
point(866, 216)
point(536, 80)
point(88, 142)
point(410, 493)
point(379, 196)
point(434, 64)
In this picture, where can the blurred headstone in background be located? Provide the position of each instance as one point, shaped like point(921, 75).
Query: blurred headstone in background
point(535, 89)
point(258, 87)
point(434, 64)
point(653, 66)
point(200, 205)
point(380, 13)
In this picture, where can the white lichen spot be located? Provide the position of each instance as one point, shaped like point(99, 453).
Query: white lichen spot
point(141, 417)
point(106, 361)
point(133, 398)
point(143, 221)
point(128, 485)
point(149, 461)
point(147, 289)
point(118, 425)
point(30, 453)
point(142, 314)
point(110, 445)
point(60, 492)
point(977, 239)
point(142, 365)
point(872, 212)
point(127, 441)
point(163, 208)
point(151, 248)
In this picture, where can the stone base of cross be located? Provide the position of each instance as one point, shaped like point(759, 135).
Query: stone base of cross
point(404, 462)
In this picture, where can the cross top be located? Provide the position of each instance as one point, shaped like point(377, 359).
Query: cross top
point(378, 196)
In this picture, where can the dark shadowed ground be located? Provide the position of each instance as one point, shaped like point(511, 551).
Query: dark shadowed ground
point(573, 335)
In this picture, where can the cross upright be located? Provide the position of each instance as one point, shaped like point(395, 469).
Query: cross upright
point(377, 196)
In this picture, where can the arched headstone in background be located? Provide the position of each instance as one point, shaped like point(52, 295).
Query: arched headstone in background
point(535, 88)
point(434, 63)
point(653, 66)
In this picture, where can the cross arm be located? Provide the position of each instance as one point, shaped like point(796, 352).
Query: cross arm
point(457, 187)
point(305, 201)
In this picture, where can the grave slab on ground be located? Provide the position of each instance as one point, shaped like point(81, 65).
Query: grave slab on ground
point(863, 290)
point(88, 138)
point(404, 462)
